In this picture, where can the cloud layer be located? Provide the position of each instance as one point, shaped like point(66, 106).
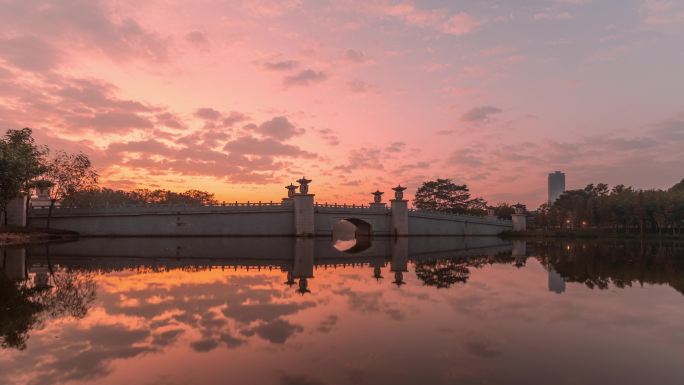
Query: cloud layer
point(242, 98)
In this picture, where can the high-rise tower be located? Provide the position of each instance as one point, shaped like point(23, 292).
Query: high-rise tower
point(556, 185)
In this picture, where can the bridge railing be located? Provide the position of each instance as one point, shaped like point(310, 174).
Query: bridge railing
point(158, 208)
point(159, 205)
point(348, 206)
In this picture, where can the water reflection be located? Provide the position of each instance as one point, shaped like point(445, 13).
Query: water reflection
point(289, 311)
point(31, 296)
point(351, 238)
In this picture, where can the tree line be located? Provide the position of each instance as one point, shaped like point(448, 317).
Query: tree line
point(69, 178)
point(443, 195)
point(95, 197)
point(597, 206)
point(623, 209)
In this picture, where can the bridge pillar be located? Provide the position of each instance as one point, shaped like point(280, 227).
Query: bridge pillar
point(399, 260)
point(16, 211)
point(304, 215)
point(303, 210)
point(399, 212)
point(519, 248)
point(303, 266)
point(519, 220)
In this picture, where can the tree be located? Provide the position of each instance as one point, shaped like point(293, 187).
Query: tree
point(599, 207)
point(504, 211)
point(68, 174)
point(30, 158)
point(444, 195)
point(678, 188)
point(21, 162)
point(477, 206)
point(10, 185)
point(199, 197)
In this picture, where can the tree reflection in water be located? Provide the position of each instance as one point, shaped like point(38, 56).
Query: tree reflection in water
point(596, 264)
point(25, 304)
point(19, 311)
point(68, 292)
point(442, 274)
point(620, 263)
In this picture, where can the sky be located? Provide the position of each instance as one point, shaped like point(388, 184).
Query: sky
point(241, 98)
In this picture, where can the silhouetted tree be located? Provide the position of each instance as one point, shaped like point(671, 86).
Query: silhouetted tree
point(106, 196)
point(21, 162)
point(68, 174)
point(446, 196)
point(597, 206)
point(504, 211)
point(678, 188)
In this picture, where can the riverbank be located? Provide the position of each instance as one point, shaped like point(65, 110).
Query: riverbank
point(587, 234)
point(13, 236)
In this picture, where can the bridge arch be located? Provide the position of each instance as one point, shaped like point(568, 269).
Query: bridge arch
point(363, 228)
point(352, 235)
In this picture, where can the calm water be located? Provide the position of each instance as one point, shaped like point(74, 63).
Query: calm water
point(285, 311)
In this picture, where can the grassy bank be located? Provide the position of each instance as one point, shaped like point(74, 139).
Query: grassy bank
point(588, 234)
point(10, 235)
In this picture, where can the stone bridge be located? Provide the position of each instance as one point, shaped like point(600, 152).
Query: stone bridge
point(297, 215)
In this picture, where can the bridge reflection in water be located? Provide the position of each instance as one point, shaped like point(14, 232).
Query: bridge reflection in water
point(298, 258)
point(595, 264)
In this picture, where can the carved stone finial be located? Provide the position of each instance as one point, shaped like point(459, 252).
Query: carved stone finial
point(377, 196)
point(399, 192)
point(291, 190)
point(399, 279)
point(304, 185)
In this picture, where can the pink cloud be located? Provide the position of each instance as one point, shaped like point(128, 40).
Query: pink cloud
point(229, 93)
point(458, 23)
point(29, 53)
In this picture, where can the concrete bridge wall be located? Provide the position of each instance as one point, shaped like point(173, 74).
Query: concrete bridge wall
point(262, 220)
point(437, 224)
point(272, 250)
point(172, 221)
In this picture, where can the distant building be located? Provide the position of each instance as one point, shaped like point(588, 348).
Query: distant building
point(556, 185)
